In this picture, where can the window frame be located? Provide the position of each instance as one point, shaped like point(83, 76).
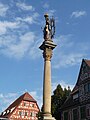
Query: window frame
point(83, 114)
point(67, 114)
point(77, 115)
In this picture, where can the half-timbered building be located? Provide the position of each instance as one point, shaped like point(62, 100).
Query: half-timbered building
point(24, 108)
point(77, 105)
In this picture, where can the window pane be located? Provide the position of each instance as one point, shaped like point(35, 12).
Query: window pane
point(20, 113)
point(25, 113)
point(87, 112)
point(32, 105)
point(24, 104)
point(86, 88)
point(83, 112)
point(31, 114)
point(65, 115)
point(75, 114)
point(89, 87)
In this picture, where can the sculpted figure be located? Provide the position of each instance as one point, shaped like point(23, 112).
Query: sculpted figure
point(49, 29)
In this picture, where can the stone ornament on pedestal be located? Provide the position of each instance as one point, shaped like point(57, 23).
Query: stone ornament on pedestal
point(47, 47)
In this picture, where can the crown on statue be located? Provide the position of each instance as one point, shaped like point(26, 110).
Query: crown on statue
point(46, 15)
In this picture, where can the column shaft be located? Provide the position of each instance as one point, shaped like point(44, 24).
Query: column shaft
point(47, 87)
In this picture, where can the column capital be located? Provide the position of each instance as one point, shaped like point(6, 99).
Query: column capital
point(47, 54)
point(47, 47)
point(47, 44)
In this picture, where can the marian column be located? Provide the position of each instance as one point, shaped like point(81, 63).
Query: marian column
point(47, 47)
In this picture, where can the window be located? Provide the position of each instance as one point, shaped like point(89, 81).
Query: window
point(24, 104)
point(75, 96)
point(21, 113)
point(65, 115)
point(25, 113)
point(86, 75)
point(75, 114)
point(31, 114)
point(87, 87)
point(32, 105)
point(83, 112)
point(88, 112)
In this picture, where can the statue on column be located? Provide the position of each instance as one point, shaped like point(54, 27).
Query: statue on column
point(49, 29)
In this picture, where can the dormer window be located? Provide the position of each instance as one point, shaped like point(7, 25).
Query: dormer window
point(75, 96)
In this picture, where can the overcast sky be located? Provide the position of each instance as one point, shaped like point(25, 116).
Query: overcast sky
point(21, 34)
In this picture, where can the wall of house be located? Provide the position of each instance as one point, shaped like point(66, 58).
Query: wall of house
point(77, 113)
point(25, 111)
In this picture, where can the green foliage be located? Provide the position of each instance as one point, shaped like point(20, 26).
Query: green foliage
point(40, 116)
point(58, 98)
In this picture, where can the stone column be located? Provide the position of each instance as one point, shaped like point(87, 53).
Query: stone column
point(47, 48)
point(47, 54)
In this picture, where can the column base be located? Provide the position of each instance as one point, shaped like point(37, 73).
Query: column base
point(48, 117)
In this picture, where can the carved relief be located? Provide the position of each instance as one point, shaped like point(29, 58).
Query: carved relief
point(47, 54)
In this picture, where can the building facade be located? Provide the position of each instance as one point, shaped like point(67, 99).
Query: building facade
point(24, 108)
point(77, 105)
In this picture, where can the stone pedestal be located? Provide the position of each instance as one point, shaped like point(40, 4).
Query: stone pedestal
point(47, 48)
point(48, 118)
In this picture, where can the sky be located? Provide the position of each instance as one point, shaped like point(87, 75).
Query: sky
point(21, 34)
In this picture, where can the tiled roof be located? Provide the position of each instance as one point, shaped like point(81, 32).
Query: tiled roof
point(87, 61)
point(75, 89)
point(69, 103)
point(26, 97)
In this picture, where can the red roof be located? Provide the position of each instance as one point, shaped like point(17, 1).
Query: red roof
point(26, 96)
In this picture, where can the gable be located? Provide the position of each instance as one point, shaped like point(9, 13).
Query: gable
point(25, 101)
point(78, 95)
point(84, 72)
